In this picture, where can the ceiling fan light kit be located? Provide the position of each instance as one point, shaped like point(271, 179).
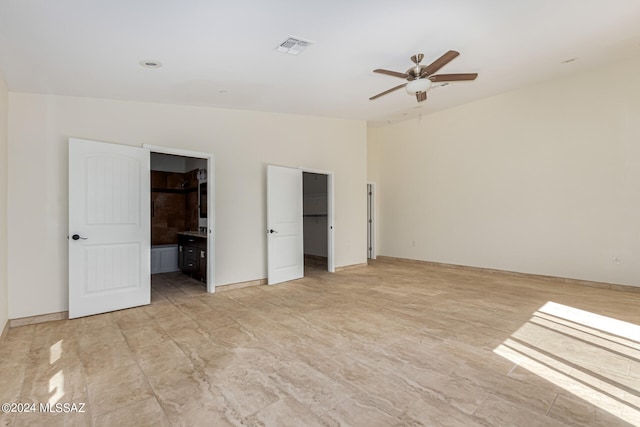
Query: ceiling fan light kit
point(420, 85)
point(420, 77)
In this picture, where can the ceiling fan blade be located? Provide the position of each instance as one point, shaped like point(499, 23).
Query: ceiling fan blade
point(440, 62)
point(391, 73)
point(387, 91)
point(453, 77)
point(421, 96)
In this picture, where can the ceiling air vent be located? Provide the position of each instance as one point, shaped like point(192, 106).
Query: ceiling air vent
point(293, 45)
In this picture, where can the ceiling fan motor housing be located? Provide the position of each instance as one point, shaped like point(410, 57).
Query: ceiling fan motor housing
point(415, 72)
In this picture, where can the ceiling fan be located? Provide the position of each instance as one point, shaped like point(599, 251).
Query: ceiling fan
point(420, 77)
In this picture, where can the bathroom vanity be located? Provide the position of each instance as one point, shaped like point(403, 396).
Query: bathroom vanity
point(192, 254)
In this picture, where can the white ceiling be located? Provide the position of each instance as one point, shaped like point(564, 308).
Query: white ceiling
point(222, 53)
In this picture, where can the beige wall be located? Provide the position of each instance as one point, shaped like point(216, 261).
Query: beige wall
point(541, 180)
point(4, 164)
point(242, 142)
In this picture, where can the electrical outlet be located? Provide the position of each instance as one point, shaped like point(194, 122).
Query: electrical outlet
point(615, 259)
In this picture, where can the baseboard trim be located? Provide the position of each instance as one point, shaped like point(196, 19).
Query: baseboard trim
point(351, 267)
point(240, 285)
point(5, 329)
point(566, 280)
point(32, 320)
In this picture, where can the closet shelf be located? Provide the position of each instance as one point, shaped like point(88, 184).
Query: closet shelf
point(315, 215)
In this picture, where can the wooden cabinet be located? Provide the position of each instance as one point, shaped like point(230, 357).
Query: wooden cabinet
point(202, 264)
point(192, 255)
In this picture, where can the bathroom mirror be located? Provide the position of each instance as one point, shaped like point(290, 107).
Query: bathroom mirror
point(203, 200)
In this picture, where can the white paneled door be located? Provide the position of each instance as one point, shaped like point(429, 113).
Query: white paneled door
point(285, 245)
point(109, 227)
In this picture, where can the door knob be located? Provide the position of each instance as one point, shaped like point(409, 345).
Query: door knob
point(77, 237)
point(271, 230)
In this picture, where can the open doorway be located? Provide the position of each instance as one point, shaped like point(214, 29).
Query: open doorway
point(181, 223)
point(315, 203)
point(287, 238)
point(178, 228)
point(371, 244)
point(110, 216)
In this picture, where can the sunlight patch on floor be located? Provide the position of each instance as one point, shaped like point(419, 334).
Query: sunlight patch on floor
point(593, 357)
point(603, 323)
point(56, 386)
point(55, 351)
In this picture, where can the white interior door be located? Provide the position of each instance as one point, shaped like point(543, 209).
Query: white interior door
point(109, 227)
point(285, 258)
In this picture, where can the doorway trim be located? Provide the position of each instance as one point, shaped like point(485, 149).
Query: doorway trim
point(211, 286)
point(371, 220)
point(330, 225)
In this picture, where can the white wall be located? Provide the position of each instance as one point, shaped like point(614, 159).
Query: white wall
point(243, 143)
point(542, 180)
point(4, 165)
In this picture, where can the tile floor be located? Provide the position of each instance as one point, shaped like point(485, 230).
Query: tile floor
point(175, 287)
point(392, 344)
